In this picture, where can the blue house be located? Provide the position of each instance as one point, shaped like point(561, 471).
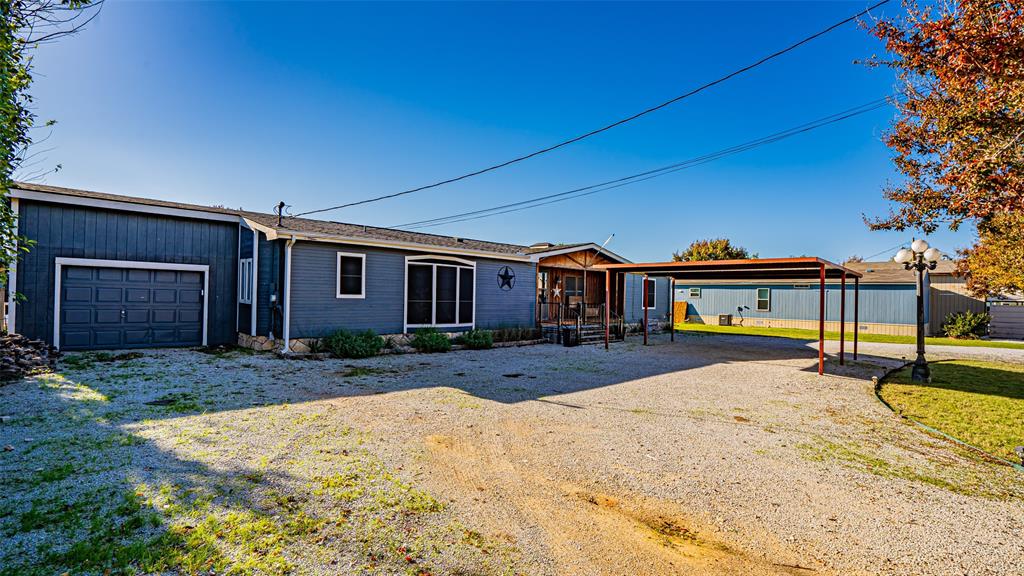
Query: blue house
point(111, 271)
point(888, 302)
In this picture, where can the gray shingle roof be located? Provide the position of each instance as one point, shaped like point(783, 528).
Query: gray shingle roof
point(889, 272)
point(302, 225)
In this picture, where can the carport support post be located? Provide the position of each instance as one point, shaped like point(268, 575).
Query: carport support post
point(821, 323)
point(842, 320)
point(607, 305)
point(672, 308)
point(644, 286)
point(856, 320)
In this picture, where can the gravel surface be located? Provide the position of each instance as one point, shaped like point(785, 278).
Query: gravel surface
point(713, 454)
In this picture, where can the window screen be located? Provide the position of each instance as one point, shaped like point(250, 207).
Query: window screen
point(245, 281)
point(439, 294)
point(465, 295)
point(421, 294)
point(764, 299)
point(350, 275)
point(446, 280)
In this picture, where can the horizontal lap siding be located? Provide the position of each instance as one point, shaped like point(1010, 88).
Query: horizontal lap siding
point(80, 232)
point(887, 304)
point(634, 310)
point(268, 283)
point(316, 310)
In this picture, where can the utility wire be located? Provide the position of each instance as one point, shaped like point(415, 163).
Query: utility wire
point(575, 139)
point(649, 174)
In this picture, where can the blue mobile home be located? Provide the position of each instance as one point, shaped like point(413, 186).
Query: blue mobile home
point(888, 302)
point(109, 271)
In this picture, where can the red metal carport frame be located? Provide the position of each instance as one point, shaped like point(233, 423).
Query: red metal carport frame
point(806, 269)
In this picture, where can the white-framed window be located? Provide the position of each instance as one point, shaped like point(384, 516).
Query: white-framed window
point(351, 275)
point(764, 299)
point(652, 294)
point(694, 292)
point(439, 292)
point(245, 281)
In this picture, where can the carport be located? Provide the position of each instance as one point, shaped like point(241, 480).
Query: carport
point(800, 269)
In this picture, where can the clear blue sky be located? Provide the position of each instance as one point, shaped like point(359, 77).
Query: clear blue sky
point(246, 104)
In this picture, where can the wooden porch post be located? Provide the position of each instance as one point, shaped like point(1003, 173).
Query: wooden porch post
point(672, 308)
point(842, 320)
point(607, 305)
point(644, 287)
point(856, 320)
point(821, 323)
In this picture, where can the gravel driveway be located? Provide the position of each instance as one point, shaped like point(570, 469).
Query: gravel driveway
point(713, 454)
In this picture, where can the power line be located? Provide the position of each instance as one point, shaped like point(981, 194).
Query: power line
point(649, 174)
point(607, 127)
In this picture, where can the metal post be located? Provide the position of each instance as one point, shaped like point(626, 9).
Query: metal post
point(672, 308)
point(920, 372)
point(842, 320)
point(821, 323)
point(644, 285)
point(856, 318)
point(607, 305)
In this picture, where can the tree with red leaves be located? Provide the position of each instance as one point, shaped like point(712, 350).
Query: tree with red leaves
point(959, 136)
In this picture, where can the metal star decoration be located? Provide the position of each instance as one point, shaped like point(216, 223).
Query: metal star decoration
point(506, 278)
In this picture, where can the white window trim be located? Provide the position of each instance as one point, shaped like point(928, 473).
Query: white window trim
point(245, 281)
point(456, 263)
point(652, 305)
point(362, 275)
point(757, 299)
point(91, 262)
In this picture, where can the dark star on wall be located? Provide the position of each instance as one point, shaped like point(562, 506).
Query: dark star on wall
point(506, 278)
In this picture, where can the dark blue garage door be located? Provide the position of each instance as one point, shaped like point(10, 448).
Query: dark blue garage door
point(130, 308)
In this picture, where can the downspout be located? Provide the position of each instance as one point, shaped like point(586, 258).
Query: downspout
point(254, 301)
point(287, 295)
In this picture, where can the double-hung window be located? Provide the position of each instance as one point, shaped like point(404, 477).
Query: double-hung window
point(652, 294)
point(764, 299)
point(439, 292)
point(351, 275)
point(245, 281)
point(694, 292)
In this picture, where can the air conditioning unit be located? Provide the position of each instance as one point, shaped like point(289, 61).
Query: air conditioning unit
point(725, 319)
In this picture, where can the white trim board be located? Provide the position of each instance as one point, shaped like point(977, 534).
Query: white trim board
point(536, 256)
point(362, 275)
point(120, 205)
point(456, 263)
point(139, 265)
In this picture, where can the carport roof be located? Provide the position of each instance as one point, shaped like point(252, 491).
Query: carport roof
point(804, 268)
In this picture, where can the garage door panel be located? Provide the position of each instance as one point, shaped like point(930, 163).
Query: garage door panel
point(137, 294)
point(78, 294)
point(109, 295)
point(112, 274)
point(136, 316)
point(119, 307)
point(77, 316)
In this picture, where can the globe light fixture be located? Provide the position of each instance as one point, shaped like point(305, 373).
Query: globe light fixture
point(919, 258)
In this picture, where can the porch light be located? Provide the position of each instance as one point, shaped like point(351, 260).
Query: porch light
point(904, 256)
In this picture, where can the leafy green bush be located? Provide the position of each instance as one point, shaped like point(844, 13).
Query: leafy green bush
point(515, 334)
point(478, 339)
point(968, 325)
point(345, 344)
point(430, 340)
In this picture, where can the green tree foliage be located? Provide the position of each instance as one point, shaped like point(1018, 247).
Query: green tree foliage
point(712, 249)
point(24, 25)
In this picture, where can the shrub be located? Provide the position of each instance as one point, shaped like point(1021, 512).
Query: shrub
point(430, 340)
point(478, 339)
point(966, 325)
point(345, 344)
point(515, 334)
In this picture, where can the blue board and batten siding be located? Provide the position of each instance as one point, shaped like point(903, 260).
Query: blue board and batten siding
point(634, 305)
point(60, 230)
point(317, 311)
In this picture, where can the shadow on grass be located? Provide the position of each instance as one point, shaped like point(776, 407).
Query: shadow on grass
point(975, 377)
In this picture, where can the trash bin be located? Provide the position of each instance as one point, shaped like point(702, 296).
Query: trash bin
point(569, 336)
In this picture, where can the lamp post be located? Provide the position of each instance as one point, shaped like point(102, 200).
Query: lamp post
point(919, 257)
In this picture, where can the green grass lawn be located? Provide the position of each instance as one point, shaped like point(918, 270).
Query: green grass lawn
point(981, 403)
point(801, 334)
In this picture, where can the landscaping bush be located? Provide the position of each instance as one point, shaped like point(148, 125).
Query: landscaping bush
point(345, 344)
point(478, 339)
point(430, 340)
point(515, 334)
point(966, 325)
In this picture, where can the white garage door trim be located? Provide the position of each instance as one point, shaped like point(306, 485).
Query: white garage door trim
point(60, 262)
